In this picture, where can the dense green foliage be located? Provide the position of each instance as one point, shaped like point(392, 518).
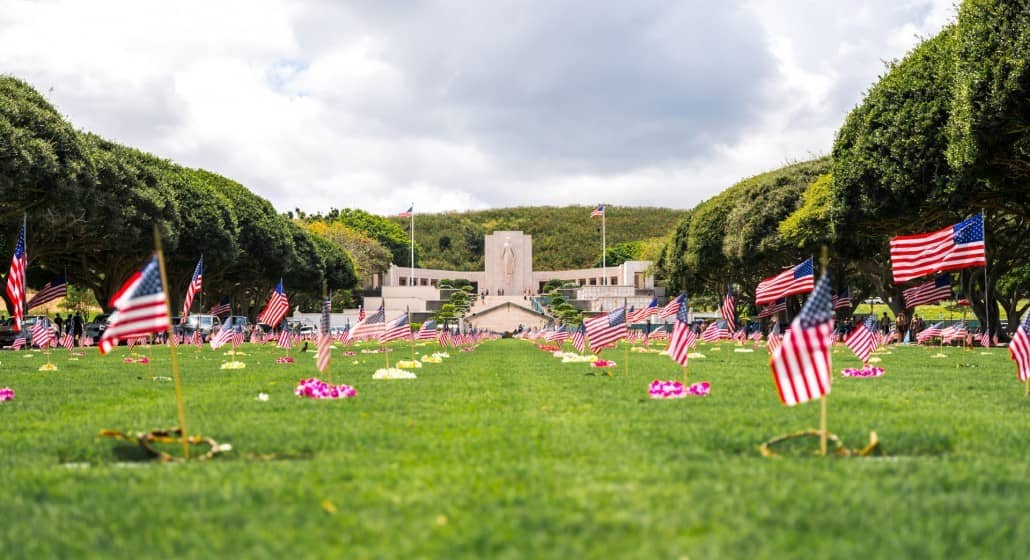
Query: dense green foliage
point(506, 453)
point(91, 206)
point(734, 237)
point(943, 135)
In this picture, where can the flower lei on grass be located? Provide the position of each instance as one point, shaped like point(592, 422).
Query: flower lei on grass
point(572, 357)
point(233, 365)
point(676, 390)
point(131, 360)
point(284, 360)
point(549, 348)
point(409, 364)
point(315, 388)
point(603, 364)
point(393, 373)
point(866, 371)
point(6, 394)
point(468, 349)
point(48, 367)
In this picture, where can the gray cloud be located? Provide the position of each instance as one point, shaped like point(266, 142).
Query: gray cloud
point(458, 105)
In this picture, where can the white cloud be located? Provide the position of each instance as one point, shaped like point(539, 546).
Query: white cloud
point(454, 106)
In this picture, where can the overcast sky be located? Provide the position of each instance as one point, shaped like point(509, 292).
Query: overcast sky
point(465, 105)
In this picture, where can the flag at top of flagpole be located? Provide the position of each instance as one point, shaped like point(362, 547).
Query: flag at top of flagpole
point(950, 248)
point(16, 280)
point(407, 213)
point(598, 212)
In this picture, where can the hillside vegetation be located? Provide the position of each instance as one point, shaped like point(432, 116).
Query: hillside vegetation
point(563, 237)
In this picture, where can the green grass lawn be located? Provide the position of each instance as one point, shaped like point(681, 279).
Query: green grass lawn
point(507, 453)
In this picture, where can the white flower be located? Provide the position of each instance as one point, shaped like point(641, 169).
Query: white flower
point(262, 397)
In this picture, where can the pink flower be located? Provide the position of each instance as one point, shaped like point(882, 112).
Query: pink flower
point(6, 394)
point(315, 388)
point(284, 360)
point(676, 390)
point(602, 363)
point(866, 371)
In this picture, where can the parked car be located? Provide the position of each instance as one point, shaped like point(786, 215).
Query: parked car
point(95, 328)
point(7, 334)
point(307, 330)
point(238, 321)
point(205, 324)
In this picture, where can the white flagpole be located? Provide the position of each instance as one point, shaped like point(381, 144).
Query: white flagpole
point(604, 262)
point(411, 262)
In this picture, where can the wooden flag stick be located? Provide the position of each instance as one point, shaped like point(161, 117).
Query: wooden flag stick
point(411, 336)
point(825, 261)
point(325, 296)
point(175, 360)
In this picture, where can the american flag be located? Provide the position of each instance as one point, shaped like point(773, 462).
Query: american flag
point(407, 213)
point(715, 332)
point(932, 331)
point(396, 329)
point(361, 312)
point(801, 365)
point(985, 339)
point(141, 307)
point(445, 338)
point(223, 336)
point(797, 280)
point(427, 331)
point(285, 340)
point(559, 335)
point(54, 289)
point(740, 335)
point(729, 314)
point(192, 289)
point(774, 308)
point(1019, 348)
point(87, 341)
point(641, 315)
point(841, 300)
point(16, 280)
point(221, 308)
point(670, 308)
point(756, 336)
point(950, 248)
point(19, 342)
point(325, 339)
point(606, 329)
point(598, 212)
point(683, 337)
point(893, 335)
point(255, 336)
point(370, 326)
point(276, 307)
point(579, 339)
point(863, 340)
point(237, 337)
point(42, 334)
point(68, 341)
point(775, 339)
point(659, 333)
point(197, 339)
point(958, 332)
point(929, 292)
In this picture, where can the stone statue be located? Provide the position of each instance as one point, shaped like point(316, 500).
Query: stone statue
point(508, 255)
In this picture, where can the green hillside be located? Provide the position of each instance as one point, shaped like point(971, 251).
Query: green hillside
point(563, 237)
